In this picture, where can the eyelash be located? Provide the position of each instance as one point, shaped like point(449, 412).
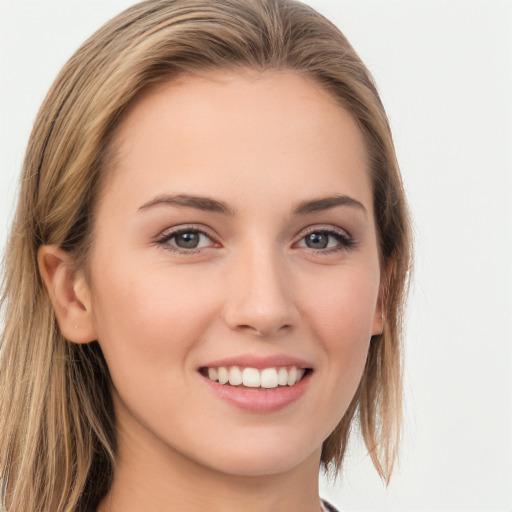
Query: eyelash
point(344, 240)
point(164, 239)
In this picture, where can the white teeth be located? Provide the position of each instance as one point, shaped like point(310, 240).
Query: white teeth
point(282, 377)
point(235, 376)
point(223, 375)
point(212, 374)
point(292, 376)
point(268, 378)
point(251, 378)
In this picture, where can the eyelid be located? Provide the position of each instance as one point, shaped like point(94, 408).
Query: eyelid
point(347, 240)
point(327, 228)
point(169, 233)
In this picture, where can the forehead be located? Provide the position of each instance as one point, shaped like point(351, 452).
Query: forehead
point(268, 130)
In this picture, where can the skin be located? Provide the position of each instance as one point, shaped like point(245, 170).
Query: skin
point(260, 143)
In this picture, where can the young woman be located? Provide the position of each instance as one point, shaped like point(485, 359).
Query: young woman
point(205, 279)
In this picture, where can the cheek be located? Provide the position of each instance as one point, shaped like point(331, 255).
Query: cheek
point(148, 325)
point(342, 313)
point(344, 307)
point(149, 321)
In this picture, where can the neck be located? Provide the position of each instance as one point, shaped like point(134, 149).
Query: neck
point(164, 481)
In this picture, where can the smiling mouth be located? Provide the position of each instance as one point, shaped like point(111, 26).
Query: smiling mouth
point(265, 378)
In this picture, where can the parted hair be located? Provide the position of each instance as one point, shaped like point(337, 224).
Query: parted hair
point(57, 425)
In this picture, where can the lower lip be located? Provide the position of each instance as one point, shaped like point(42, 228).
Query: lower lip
point(259, 400)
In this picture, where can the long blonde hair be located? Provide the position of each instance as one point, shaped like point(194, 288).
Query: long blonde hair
point(57, 427)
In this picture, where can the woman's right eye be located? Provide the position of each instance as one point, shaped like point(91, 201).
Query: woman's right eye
point(185, 240)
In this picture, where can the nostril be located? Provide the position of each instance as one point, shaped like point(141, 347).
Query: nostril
point(263, 329)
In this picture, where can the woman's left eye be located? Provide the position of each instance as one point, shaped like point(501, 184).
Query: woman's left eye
point(326, 240)
point(186, 240)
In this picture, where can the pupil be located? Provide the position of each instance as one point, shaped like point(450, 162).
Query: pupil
point(187, 240)
point(317, 241)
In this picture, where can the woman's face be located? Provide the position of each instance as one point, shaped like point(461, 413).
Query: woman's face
point(235, 239)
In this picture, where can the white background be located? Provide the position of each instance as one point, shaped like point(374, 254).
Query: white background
point(444, 70)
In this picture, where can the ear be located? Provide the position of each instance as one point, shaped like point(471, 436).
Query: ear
point(69, 293)
point(380, 311)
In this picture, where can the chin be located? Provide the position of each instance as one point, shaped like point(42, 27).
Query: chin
point(254, 459)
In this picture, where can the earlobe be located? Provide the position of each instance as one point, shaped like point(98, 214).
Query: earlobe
point(69, 294)
point(378, 321)
point(380, 312)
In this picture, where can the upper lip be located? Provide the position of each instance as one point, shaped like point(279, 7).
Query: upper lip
point(259, 362)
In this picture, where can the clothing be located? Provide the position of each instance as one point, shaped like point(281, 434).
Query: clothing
point(327, 507)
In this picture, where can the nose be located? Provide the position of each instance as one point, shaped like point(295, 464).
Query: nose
point(260, 295)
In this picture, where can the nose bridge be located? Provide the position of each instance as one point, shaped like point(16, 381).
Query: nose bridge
point(260, 295)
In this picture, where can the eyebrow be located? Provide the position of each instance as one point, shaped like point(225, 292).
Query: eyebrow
point(326, 203)
point(212, 205)
point(198, 202)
